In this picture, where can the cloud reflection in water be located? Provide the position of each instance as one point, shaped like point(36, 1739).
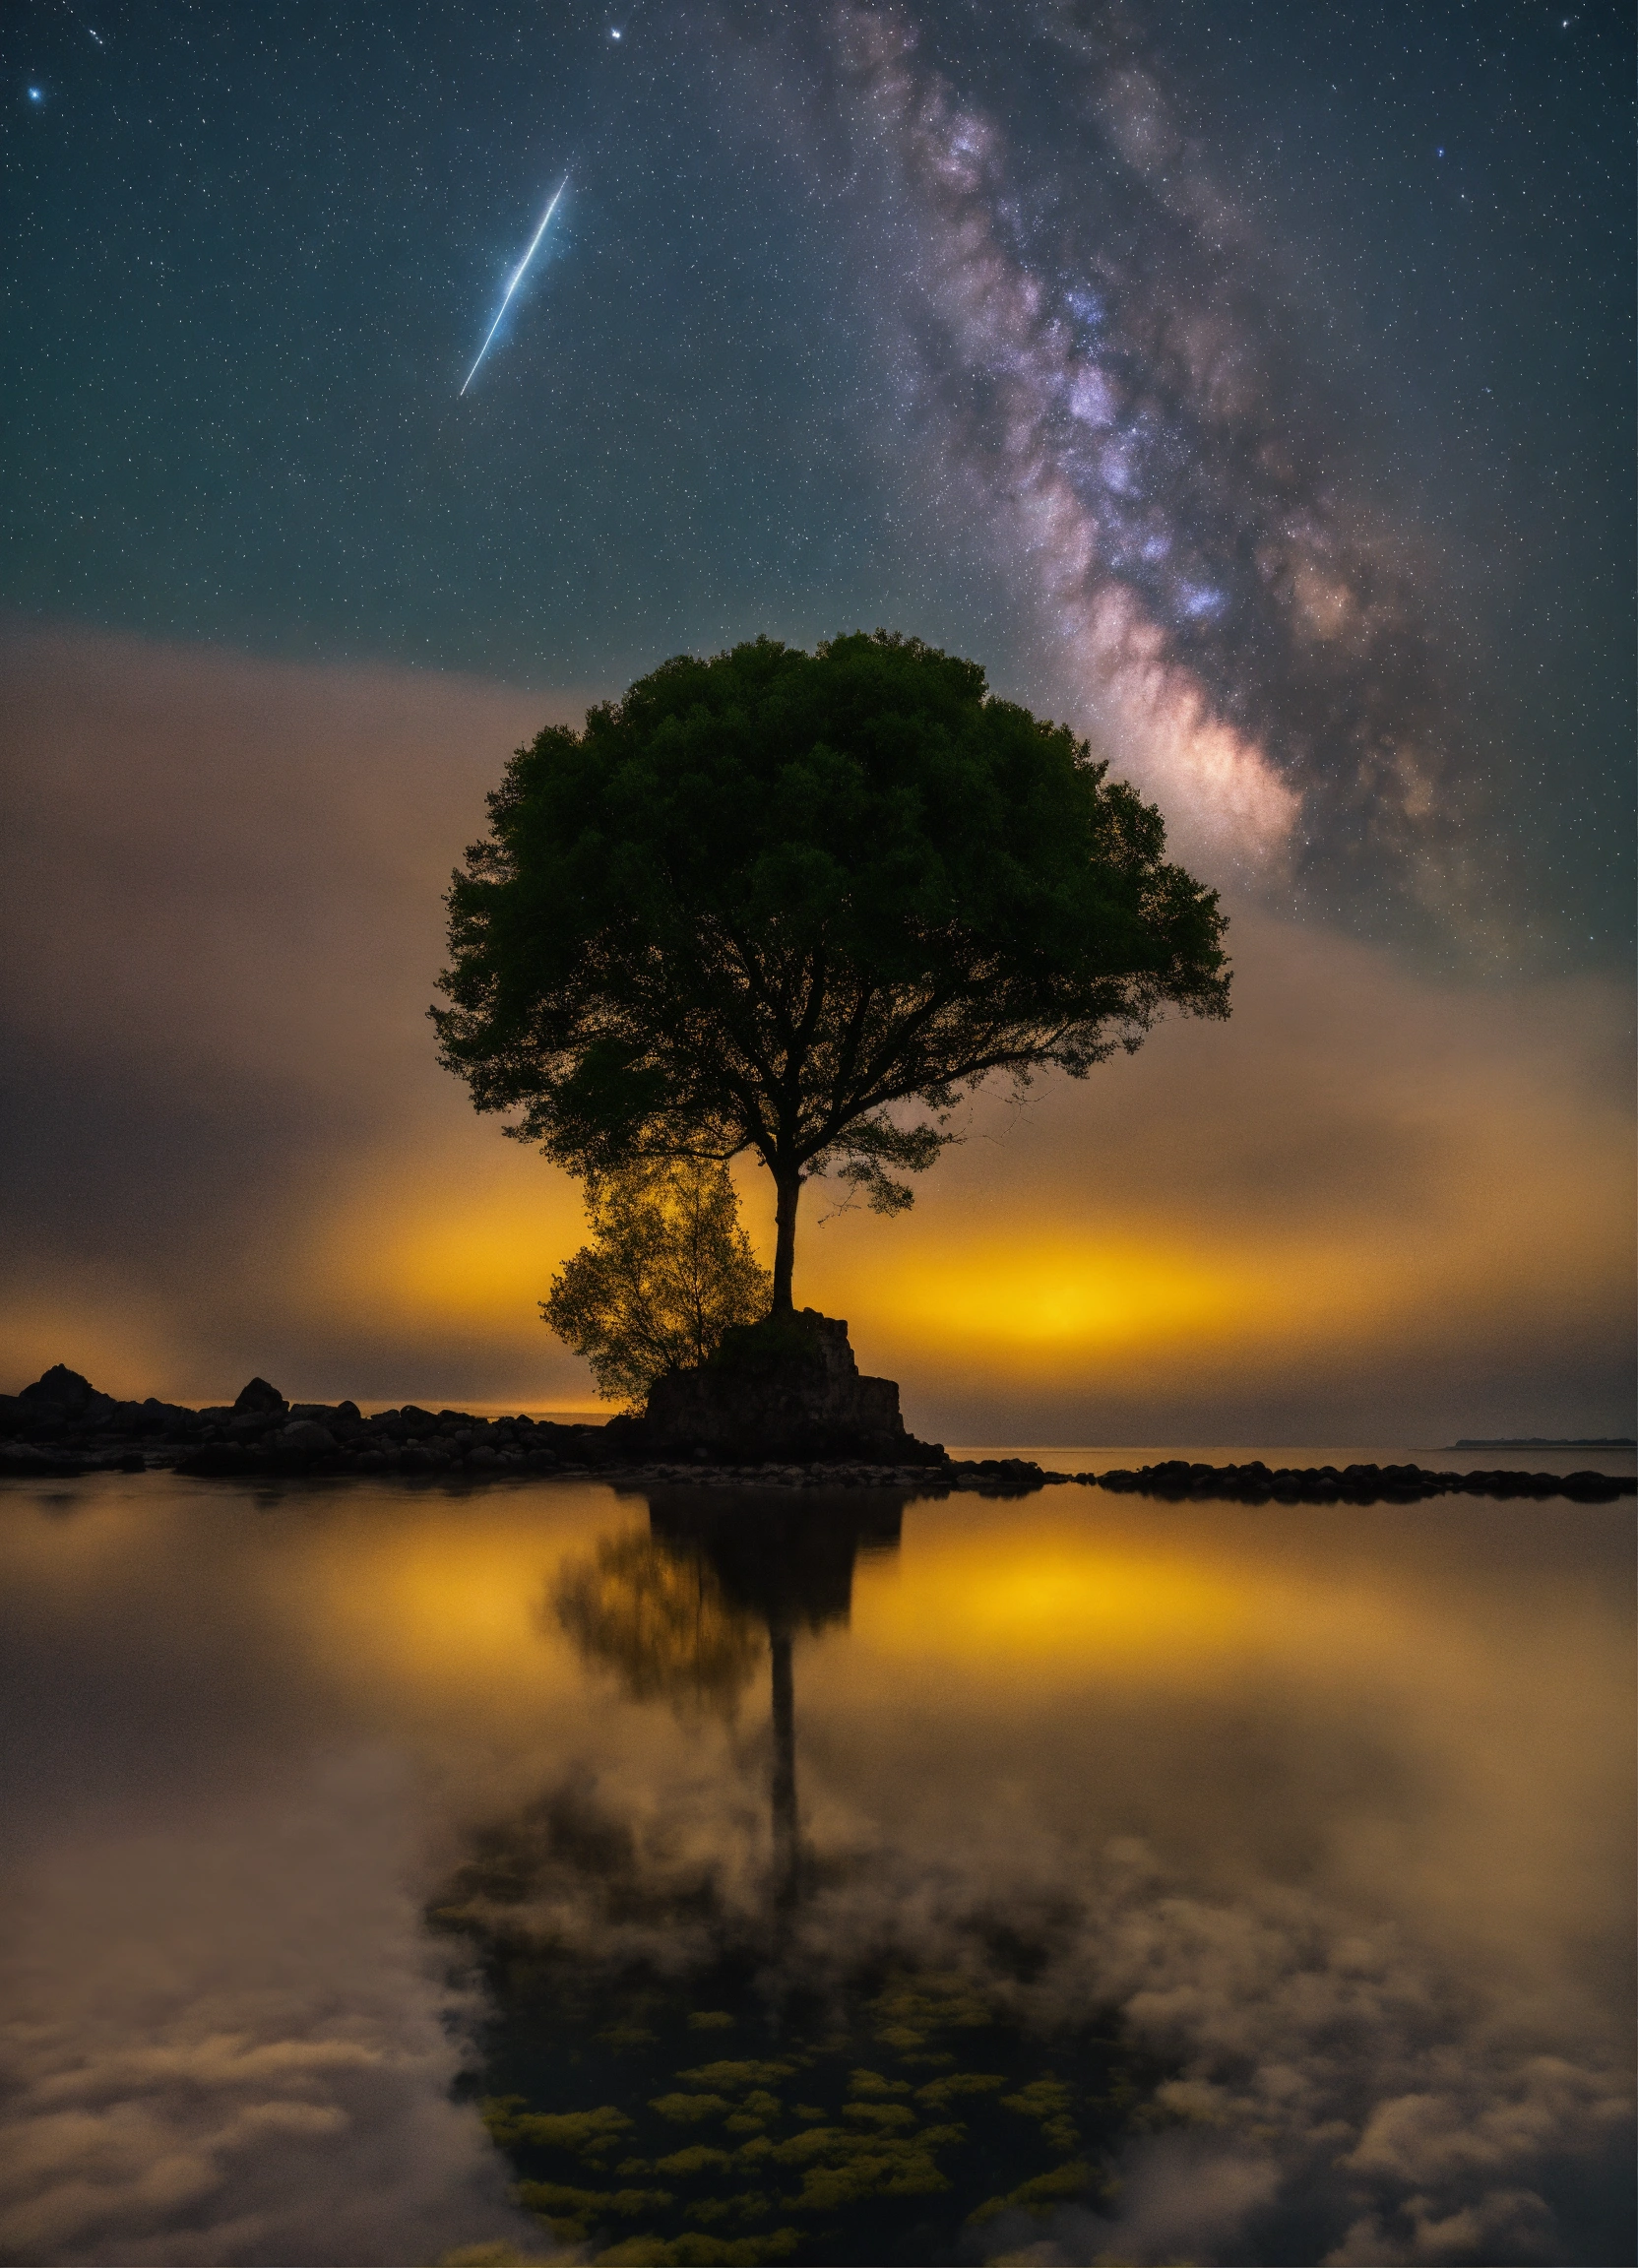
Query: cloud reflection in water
point(1334, 1807)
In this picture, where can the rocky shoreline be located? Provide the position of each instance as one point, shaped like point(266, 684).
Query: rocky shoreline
point(61, 1427)
point(1260, 1484)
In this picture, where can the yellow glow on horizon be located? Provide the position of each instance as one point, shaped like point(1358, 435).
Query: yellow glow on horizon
point(471, 1238)
point(473, 1259)
point(1019, 1297)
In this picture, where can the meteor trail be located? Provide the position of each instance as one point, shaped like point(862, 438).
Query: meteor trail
point(515, 280)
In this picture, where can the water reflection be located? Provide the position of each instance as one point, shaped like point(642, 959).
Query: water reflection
point(682, 1612)
point(1275, 1865)
point(682, 2077)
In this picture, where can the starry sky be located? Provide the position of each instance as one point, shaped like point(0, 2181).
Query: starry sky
point(1251, 385)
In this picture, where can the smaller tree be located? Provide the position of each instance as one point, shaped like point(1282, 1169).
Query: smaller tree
point(667, 1271)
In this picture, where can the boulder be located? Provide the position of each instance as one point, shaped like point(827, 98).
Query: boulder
point(786, 1388)
point(63, 1393)
point(259, 1396)
point(307, 1438)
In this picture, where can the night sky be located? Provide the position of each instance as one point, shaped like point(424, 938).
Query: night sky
point(1250, 385)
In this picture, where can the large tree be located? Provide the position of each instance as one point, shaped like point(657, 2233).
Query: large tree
point(801, 904)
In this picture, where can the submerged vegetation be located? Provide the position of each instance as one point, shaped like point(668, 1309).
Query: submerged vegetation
point(691, 2060)
point(755, 2106)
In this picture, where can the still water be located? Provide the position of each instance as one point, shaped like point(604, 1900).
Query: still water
point(823, 1878)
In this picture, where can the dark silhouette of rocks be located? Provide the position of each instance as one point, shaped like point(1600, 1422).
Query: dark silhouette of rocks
point(787, 1387)
point(62, 1425)
point(63, 1393)
point(1260, 1484)
point(1553, 1441)
point(258, 1397)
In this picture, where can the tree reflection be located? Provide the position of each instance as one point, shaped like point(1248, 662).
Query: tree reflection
point(662, 1621)
point(681, 1613)
point(680, 2073)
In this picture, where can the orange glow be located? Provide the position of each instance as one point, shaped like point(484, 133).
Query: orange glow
point(473, 1236)
point(1077, 1600)
point(450, 1606)
point(1062, 1601)
point(1023, 1297)
point(1374, 1198)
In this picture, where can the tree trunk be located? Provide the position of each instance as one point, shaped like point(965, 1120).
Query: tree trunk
point(787, 1847)
point(788, 1186)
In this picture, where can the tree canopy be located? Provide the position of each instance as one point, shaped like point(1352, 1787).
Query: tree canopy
point(667, 1271)
point(800, 903)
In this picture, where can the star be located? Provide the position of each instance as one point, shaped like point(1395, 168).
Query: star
point(36, 95)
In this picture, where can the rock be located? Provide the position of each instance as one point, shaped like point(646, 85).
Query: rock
point(1358, 1484)
point(786, 1388)
point(260, 1395)
point(63, 1393)
point(306, 1438)
point(216, 1461)
point(26, 1464)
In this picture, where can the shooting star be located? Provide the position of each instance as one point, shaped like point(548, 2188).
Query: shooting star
point(515, 280)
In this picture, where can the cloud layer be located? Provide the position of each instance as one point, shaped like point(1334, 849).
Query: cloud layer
point(1371, 1204)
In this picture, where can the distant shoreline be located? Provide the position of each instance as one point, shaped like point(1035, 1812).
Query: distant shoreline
point(1541, 1441)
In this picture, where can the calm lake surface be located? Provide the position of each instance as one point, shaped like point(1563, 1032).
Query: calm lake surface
point(810, 1876)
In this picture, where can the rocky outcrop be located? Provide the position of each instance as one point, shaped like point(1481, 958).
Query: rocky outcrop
point(1260, 1484)
point(787, 1387)
point(259, 1399)
point(809, 1391)
point(64, 1394)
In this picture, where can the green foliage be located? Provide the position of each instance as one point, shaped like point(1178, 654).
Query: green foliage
point(589, 2133)
point(851, 2181)
point(689, 2110)
point(799, 904)
point(741, 2074)
point(498, 2255)
point(700, 2159)
point(559, 2197)
point(1061, 2186)
point(939, 2094)
point(667, 1272)
point(700, 2252)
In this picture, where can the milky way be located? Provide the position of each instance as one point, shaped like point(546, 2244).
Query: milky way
point(1250, 387)
point(1104, 371)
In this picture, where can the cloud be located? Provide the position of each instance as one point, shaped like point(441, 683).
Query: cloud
point(1350, 2091)
point(1336, 1809)
point(246, 2055)
point(1371, 1202)
point(229, 1140)
point(1327, 1816)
